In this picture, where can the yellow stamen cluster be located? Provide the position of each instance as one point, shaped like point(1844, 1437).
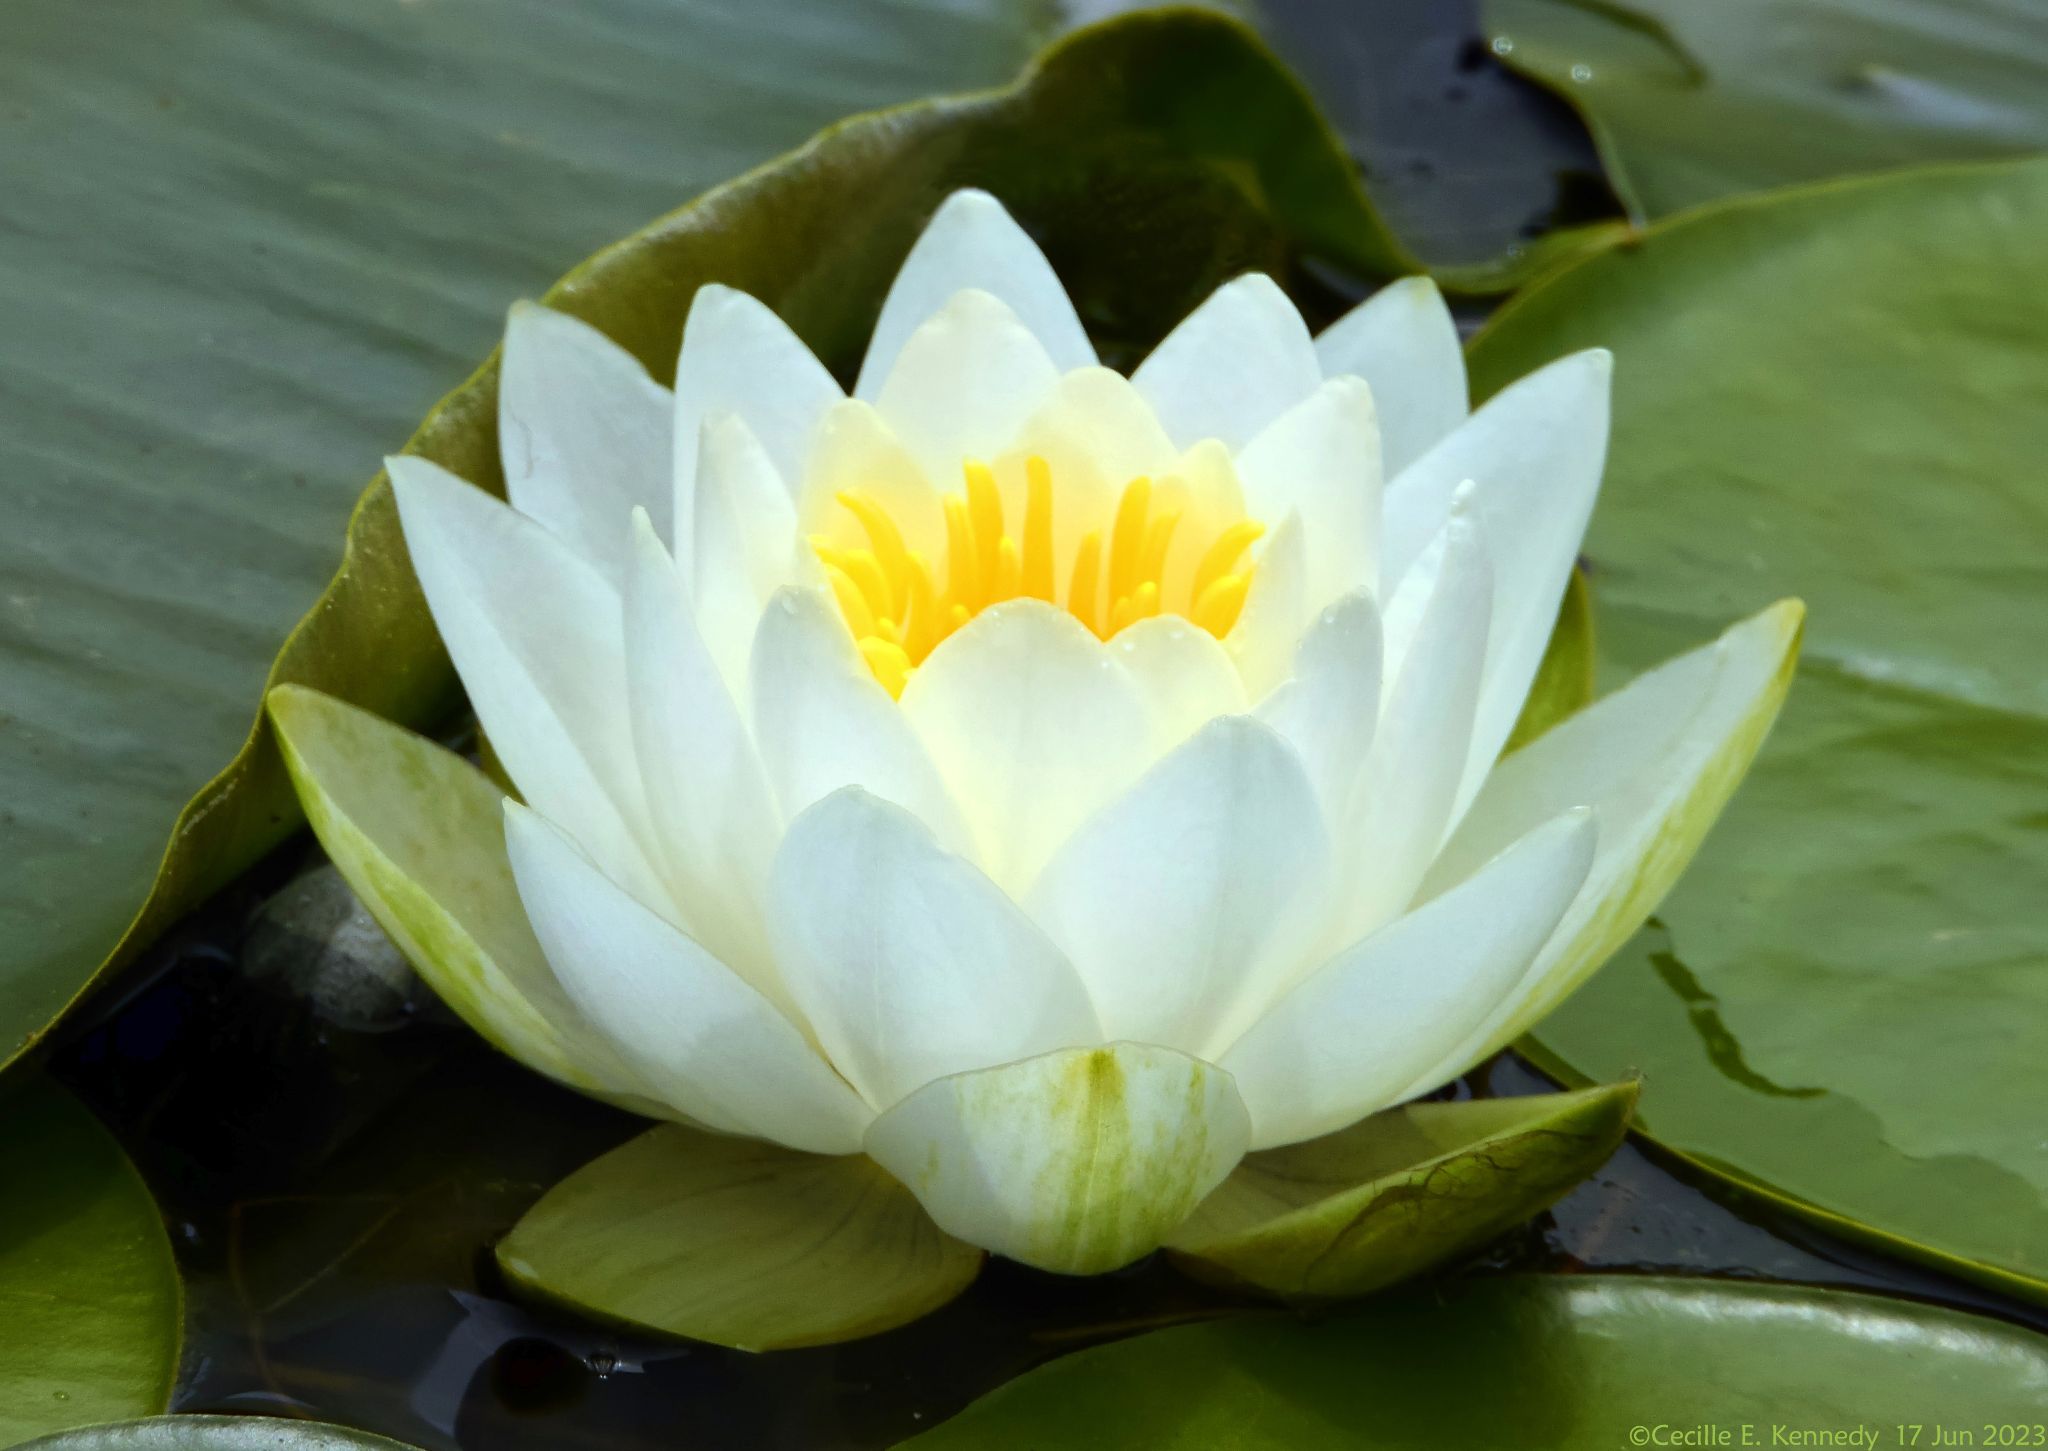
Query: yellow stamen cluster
point(899, 608)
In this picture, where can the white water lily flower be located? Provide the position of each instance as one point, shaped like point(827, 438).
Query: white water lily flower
point(1049, 783)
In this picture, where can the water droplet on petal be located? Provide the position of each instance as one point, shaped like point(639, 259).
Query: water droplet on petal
point(1503, 46)
point(1581, 72)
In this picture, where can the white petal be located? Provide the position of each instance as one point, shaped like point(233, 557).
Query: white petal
point(822, 720)
point(964, 384)
point(972, 242)
point(1232, 366)
point(584, 432)
point(1033, 726)
point(1321, 458)
point(1404, 343)
point(739, 357)
point(712, 810)
point(1077, 1162)
point(745, 540)
point(1192, 890)
point(534, 630)
point(713, 1047)
point(1184, 674)
point(1352, 1038)
point(1329, 709)
point(908, 961)
point(1275, 611)
point(1657, 760)
point(1533, 455)
point(1402, 809)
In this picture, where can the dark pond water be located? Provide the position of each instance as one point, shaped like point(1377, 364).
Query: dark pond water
point(336, 1155)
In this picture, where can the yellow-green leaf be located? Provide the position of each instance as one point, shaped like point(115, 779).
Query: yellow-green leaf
point(1398, 1193)
point(737, 1242)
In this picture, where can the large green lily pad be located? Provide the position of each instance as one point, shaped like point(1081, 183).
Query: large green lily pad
point(91, 1315)
point(1689, 100)
point(264, 239)
point(1842, 393)
point(1585, 1363)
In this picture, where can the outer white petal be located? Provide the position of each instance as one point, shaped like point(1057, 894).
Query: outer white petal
point(584, 432)
point(822, 720)
point(713, 1047)
point(1275, 611)
point(1658, 760)
point(1352, 1038)
point(1321, 458)
point(1330, 708)
point(1191, 891)
point(1402, 808)
point(964, 384)
point(1033, 725)
point(745, 540)
point(1184, 674)
point(972, 242)
point(713, 813)
point(1077, 1162)
point(534, 630)
point(908, 961)
point(1232, 366)
point(1404, 343)
point(739, 357)
point(1533, 455)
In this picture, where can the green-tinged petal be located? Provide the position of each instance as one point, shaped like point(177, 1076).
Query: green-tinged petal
point(737, 1242)
point(90, 1309)
point(1078, 1161)
point(419, 834)
point(1398, 1193)
point(1529, 1363)
point(1564, 679)
point(1657, 761)
point(217, 1433)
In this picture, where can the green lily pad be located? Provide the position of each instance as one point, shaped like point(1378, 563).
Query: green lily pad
point(1582, 1363)
point(216, 1433)
point(1690, 101)
point(1841, 392)
point(737, 1242)
point(91, 1313)
point(1399, 1193)
point(209, 377)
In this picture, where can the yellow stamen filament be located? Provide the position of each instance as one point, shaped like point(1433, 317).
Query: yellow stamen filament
point(1218, 607)
point(900, 608)
point(1087, 573)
